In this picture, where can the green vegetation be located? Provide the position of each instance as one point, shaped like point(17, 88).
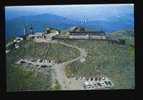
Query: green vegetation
point(128, 36)
point(69, 72)
point(56, 86)
point(57, 52)
point(112, 60)
point(19, 79)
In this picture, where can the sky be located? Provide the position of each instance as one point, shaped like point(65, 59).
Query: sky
point(88, 11)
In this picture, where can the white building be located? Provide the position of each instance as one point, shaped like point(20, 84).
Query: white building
point(36, 35)
point(87, 35)
point(18, 39)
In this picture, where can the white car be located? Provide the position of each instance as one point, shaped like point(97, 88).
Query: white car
point(18, 39)
point(16, 46)
point(100, 83)
point(7, 51)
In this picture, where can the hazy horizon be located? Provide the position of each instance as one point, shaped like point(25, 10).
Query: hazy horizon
point(105, 17)
point(75, 12)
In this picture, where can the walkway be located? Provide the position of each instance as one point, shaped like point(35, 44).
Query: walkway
point(66, 83)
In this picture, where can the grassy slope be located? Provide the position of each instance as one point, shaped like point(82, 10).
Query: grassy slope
point(128, 36)
point(19, 79)
point(115, 62)
point(56, 52)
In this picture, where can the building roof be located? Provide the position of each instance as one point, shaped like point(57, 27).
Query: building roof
point(76, 29)
point(87, 33)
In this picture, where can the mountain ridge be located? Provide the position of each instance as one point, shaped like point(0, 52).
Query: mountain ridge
point(40, 22)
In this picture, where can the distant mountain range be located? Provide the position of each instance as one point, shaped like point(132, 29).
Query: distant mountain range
point(15, 26)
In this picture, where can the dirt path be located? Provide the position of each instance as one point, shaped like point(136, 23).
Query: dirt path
point(69, 83)
point(66, 83)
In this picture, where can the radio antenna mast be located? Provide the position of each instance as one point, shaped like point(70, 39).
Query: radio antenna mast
point(24, 31)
